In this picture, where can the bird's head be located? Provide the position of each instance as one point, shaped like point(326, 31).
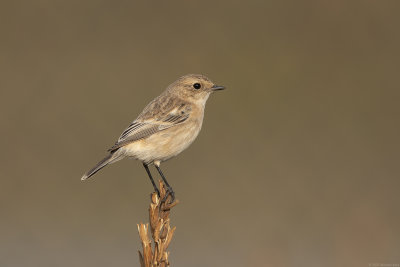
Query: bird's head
point(194, 88)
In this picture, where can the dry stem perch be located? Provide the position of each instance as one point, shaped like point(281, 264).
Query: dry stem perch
point(161, 231)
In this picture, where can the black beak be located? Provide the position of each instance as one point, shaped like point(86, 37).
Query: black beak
point(217, 88)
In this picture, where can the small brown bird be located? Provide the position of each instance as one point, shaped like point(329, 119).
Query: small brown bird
point(166, 126)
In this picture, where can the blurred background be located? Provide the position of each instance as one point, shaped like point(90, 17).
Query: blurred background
point(297, 163)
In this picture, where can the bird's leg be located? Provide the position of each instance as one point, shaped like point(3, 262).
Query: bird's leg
point(169, 188)
point(151, 178)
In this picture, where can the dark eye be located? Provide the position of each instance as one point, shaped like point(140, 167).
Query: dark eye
point(196, 86)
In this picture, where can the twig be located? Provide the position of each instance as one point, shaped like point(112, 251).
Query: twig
point(161, 231)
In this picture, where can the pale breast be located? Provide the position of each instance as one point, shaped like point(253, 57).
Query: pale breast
point(165, 144)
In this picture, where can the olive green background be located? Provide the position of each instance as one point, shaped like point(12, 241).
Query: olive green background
point(297, 163)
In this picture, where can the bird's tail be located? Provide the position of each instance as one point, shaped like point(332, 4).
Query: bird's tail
point(111, 158)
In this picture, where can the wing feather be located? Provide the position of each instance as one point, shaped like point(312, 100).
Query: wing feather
point(145, 125)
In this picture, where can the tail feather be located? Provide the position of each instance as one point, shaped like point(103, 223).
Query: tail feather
point(111, 158)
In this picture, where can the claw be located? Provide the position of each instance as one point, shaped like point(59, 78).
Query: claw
point(169, 192)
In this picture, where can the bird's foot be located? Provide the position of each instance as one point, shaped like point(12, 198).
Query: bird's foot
point(169, 192)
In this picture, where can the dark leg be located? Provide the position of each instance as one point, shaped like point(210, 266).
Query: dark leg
point(151, 178)
point(169, 188)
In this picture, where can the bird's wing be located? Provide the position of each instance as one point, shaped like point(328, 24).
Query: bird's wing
point(152, 121)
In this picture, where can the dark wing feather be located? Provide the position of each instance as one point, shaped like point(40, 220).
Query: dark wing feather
point(143, 128)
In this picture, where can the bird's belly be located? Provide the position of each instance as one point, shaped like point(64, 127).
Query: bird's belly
point(163, 145)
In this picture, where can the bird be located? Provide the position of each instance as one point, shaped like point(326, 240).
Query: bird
point(168, 125)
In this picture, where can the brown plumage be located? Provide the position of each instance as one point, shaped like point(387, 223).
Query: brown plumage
point(166, 126)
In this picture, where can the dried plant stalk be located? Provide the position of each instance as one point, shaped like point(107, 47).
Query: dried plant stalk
point(161, 231)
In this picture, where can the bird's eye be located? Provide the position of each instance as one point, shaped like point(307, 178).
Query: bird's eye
point(196, 86)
